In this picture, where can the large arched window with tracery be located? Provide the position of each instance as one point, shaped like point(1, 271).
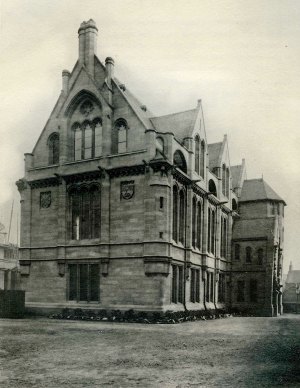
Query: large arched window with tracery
point(87, 139)
point(85, 212)
point(53, 146)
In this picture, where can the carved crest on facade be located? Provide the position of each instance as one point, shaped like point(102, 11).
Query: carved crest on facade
point(127, 189)
point(45, 199)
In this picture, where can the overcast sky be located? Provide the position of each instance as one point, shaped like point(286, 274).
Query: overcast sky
point(242, 58)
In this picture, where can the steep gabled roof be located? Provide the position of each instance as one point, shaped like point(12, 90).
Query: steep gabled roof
point(258, 190)
point(181, 123)
point(214, 151)
point(143, 114)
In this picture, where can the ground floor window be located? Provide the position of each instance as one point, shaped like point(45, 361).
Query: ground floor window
point(177, 284)
point(209, 297)
point(253, 290)
point(240, 297)
point(195, 285)
point(84, 282)
point(221, 288)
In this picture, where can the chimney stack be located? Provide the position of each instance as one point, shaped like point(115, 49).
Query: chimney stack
point(65, 80)
point(87, 35)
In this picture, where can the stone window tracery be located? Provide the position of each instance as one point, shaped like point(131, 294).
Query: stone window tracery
point(87, 139)
point(85, 212)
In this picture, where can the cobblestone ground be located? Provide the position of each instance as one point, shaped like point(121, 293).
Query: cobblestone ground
point(232, 352)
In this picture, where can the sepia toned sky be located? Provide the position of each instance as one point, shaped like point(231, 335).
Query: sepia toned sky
point(242, 58)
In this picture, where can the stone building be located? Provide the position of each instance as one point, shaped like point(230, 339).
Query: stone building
point(291, 291)
point(124, 210)
point(9, 271)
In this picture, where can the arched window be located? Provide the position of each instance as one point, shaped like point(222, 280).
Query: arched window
point(248, 254)
point(160, 144)
point(223, 237)
point(194, 222)
point(87, 139)
point(85, 212)
point(97, 123)
point(224, 179)
point(199, 225)
point(175, 213)
point(260, 256)
point(181, 216)
point(122, 128)
point(209, 230)
point(197, 154)
point(77, 141)
point(227, 188)
point(213, 231)
point(237, 252)
point(53, 144)
point(202, 160)
point(212, 187)
point(179, 161)
point(234, 204)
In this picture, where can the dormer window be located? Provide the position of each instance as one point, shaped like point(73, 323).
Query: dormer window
point(197, 154)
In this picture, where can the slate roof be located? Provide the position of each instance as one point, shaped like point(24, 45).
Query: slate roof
point(258, 190)
point(293, 277)
point(214, 151)
point(236, 172)
point(181, 123)
point(143, 115)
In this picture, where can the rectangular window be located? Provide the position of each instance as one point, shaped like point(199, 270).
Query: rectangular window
point(207, 290)
point(240, 297)
point(177, 284)
point(221, 288)
point(195, 286)
point(161, 203)
point(253, 290)
point(84, 282)
point(212, 287)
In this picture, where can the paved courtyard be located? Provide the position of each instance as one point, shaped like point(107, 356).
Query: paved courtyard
point(232, 352)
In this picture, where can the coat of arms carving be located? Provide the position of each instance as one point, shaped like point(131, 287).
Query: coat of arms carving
point(45, 199)
point(127, 189)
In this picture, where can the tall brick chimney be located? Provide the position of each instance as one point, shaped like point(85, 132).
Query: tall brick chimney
point(87, 35)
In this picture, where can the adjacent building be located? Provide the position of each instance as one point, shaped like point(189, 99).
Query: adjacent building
point(291, 291)
point(121, 209)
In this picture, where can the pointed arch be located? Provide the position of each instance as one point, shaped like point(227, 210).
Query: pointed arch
point(53, 148)
point(80, 98)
